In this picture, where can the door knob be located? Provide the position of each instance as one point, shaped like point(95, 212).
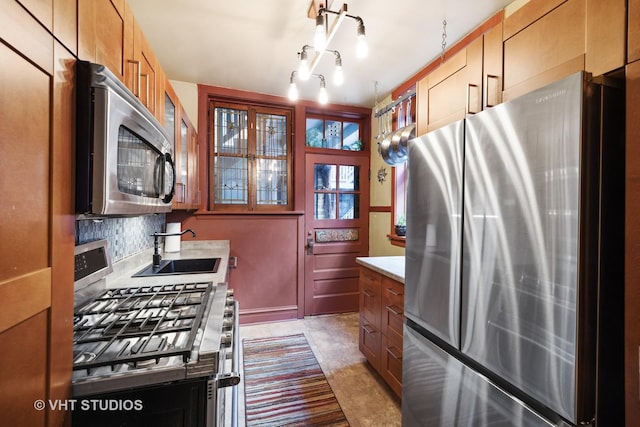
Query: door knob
point(310, 246)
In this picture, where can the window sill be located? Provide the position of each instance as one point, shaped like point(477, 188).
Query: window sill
point(397, 240)
point(257, 212)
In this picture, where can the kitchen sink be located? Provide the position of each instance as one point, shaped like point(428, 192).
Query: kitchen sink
point(181, 266)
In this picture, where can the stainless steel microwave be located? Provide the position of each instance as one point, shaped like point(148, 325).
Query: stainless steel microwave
point(124, 160)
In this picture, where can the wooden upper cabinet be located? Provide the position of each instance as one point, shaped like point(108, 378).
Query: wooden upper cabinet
point(108, 34)
point(605, 50)
point(143, 67)
point(452, 90)
point(550, 48)
point(447, 92)
point(187, 188)
point(550, 39)
point(530, 11)
point(105, 34)
point(192, 159)
point(633, 47)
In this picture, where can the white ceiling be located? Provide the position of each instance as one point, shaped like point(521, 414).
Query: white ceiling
point(253, 44)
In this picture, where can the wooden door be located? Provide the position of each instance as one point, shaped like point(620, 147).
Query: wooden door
point(336, 210)
point(36, 221)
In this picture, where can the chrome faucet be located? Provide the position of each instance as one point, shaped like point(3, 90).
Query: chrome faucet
point(156, 244)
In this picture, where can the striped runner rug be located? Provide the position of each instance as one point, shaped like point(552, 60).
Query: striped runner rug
point(285, 386)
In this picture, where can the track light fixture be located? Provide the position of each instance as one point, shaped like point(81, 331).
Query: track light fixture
point(321, 38)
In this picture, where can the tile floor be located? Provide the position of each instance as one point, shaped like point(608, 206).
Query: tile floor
point(364, 397)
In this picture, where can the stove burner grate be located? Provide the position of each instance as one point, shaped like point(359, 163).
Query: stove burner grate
point(134, 325)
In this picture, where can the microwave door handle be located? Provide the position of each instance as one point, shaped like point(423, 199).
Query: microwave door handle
point(168, 197)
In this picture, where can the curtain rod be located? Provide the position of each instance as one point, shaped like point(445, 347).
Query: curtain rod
point(401, 99)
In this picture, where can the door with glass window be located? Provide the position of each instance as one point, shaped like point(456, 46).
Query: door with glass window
point(337, 206)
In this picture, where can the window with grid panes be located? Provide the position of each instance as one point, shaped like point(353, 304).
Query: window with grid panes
point(251, 150)
point(333, 133)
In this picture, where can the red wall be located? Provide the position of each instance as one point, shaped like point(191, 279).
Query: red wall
point(269, 280)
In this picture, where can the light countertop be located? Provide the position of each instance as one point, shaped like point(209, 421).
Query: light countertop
point(390, 266)
point(123, 270)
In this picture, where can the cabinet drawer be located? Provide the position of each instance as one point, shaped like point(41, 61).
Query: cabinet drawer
point(391, 363)
point(369, 342)
point(392, 307)
point(370, 277)
point(370, 297)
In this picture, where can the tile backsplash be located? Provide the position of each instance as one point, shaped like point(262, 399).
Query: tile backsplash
point(126, 236)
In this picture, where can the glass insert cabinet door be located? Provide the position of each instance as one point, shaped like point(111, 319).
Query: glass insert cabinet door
point(336, 191)
point(251, 158)
point(271, 159)
point(230, 162)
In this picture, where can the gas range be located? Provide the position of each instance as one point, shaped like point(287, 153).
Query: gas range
point(156, 335)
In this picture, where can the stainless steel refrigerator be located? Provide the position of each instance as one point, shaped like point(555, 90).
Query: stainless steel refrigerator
point(514, 263)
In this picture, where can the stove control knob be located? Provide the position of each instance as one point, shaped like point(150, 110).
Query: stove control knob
point(230, 301)
point(227, 324)
point(228, 311)
point(225, 339)
point(229, 292)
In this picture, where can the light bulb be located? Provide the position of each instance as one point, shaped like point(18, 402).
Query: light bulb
point(361, 45)
point(293, 91)
point(320, 34)
point(303, 71)
point(338, 75)
point(323, 96)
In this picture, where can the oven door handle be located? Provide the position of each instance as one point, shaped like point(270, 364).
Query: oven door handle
point(232, 379)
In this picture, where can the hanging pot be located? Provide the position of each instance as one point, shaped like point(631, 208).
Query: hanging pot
point(394, 148)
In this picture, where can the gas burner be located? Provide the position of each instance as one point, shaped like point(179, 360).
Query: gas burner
point(84, 357)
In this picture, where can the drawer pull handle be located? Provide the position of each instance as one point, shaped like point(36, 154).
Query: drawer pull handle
point(393, 292)
point(395, 310)
point(368, 329)
point(368, 293)
point(392, 352)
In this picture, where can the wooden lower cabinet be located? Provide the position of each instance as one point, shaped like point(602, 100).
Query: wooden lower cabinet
point(381, 320)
